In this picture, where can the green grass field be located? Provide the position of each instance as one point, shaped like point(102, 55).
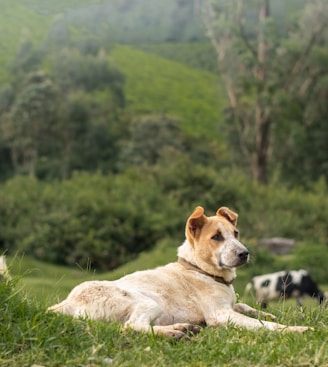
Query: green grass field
point(29, 336)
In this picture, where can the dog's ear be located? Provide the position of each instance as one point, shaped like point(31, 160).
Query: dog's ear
point(194, 224)
point(228, 214)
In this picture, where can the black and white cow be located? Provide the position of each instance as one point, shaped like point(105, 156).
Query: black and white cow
point(284, 284)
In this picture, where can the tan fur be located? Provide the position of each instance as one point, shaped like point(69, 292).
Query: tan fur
point(174, 299)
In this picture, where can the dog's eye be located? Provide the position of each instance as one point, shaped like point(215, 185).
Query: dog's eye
point(236, 233)
point(218, 237)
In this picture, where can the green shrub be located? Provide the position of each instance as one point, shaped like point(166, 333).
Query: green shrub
point(108, 220)
point(103, 220)
point(313, 258)
point(263, 211)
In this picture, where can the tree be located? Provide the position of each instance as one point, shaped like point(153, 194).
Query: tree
point(149, 136)
point(29, 121)
point(90, 114)
point(262, 67)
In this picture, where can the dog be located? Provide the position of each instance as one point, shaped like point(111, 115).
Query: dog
point(177, 299)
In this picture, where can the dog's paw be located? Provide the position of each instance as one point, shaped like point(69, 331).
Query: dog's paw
point(297, 329)
point(182, 331)
point(194, 329)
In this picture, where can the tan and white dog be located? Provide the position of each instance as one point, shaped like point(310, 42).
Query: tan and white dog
point(178, 297)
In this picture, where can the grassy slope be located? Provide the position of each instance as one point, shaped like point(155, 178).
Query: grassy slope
point(199, 55)
point(29, 335)
point(18, 23)
point(155, 84)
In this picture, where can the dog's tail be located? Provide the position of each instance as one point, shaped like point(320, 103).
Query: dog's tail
point(64, 307)
point(4, 274)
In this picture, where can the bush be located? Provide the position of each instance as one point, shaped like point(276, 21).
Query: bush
point(108, 220)
point(105, 220)
point(313, 258)
point(264, 211)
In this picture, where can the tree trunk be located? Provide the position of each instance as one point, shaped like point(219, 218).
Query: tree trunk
point(260, 157)
point(262, 119)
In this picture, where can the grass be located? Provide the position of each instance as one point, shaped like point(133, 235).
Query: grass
point(31, 336)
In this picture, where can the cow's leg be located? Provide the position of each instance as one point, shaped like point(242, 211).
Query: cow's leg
point(264, 304)
point(300, 300)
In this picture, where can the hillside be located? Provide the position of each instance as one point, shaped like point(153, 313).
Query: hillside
point(157, 84)
point(18, 24)
point(108, 21)
point(123, 21)
point(153, 83)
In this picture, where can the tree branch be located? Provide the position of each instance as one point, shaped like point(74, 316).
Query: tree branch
point(220, 48)
point(242, 33)
point(309, 84)
point(295, 70)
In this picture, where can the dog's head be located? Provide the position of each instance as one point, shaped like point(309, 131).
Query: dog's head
point(215, 240)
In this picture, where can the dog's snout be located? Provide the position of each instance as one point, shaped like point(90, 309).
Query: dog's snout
point(243, 255)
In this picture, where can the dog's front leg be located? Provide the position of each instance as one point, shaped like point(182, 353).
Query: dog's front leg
point(244, 308)
point(225, 317)
point(145, 318)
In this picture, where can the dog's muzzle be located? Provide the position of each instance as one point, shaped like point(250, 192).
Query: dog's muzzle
point(233, 254)
point(243, 256)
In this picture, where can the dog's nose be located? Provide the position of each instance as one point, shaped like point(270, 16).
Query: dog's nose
point(243, 255)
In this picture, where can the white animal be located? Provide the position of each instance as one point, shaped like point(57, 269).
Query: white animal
point(284, 285)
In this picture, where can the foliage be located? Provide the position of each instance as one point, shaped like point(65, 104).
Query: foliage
point(102, 220)
point(108, 220)
point(30, 121)
point(266, 71)
point(73, 69)
point(149, 135)
point(313, 257)
point(48, 136)
point(307, 140)
point(264, 212)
